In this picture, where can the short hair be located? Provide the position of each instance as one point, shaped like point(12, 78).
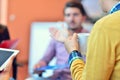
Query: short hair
point(2, 26)
point(75, 4)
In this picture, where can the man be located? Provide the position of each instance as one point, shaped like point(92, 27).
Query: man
point(74, 15)
point(103, 51)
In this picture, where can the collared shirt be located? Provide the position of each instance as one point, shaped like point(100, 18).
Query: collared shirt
point(57, 49)
point(115, 8)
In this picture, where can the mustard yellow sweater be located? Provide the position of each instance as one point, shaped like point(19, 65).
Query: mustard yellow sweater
point(103, 52)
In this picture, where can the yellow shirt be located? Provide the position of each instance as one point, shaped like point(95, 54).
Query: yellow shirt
point(103, 52)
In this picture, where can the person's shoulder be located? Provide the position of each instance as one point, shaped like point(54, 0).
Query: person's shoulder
point(108, 21)
point(110, 18)
point(114, 17)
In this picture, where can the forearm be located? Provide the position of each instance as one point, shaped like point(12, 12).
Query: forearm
point(76, 69)
point(76, 64)
point(49, 52)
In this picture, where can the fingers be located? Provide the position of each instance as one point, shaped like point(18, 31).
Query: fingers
point(53, 30)
point(75, 36)
point(38, 65)
point(12, 58)
point(72, 43)
point(35, 69)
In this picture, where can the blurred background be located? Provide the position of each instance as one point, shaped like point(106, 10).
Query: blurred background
point(28, 19)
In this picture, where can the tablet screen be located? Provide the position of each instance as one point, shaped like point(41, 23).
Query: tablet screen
point(4, 55)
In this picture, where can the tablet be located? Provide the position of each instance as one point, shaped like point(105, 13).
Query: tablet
point(5, 55)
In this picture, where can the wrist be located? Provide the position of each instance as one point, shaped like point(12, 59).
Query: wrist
point(75, 54)
point(72, 50)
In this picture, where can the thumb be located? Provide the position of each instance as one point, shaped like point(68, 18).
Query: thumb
point(74, 36)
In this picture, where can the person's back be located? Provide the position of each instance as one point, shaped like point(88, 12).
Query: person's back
point(116, 36)
point(110, 25)
point(103, 57)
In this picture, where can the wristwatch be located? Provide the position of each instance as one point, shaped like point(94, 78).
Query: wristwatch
point(74, 55)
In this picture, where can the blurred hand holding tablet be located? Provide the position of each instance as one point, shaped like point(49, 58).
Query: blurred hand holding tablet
point(51, 68)
point(5, 55)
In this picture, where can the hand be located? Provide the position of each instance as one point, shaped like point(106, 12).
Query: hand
point(5, 74)
point(59, 35)
point(71, 43)
point(38, 65)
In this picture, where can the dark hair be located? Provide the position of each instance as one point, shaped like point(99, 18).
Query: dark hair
point(75, 4)
point(2, 26)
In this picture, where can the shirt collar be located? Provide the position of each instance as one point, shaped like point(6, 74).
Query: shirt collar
point(115, 8)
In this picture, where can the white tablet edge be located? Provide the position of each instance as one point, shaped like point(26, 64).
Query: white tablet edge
point(5, 63)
